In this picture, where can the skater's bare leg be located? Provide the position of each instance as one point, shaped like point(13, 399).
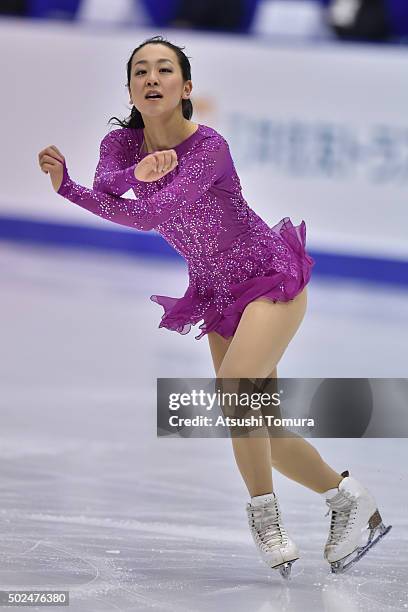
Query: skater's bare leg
point(253, 457)
point(297, 459)
point(294, 457)
point(262, 336)
point(264, 331)
point(300, 461)
point(253, 453)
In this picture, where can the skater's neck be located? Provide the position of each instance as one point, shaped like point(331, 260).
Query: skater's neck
point(161, 135)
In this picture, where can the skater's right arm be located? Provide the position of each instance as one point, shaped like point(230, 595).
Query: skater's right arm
point(115, 168)
point(198, 172)
point(124, 211)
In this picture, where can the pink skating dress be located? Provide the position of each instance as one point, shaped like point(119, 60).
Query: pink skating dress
point(232, 255)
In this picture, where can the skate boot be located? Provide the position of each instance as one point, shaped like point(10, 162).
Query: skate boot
point(276, 548)
point(355, 526)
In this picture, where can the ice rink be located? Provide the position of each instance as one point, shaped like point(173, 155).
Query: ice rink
point(94, 503)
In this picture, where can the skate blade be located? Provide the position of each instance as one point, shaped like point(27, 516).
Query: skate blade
point(285, 568)
point(338, 567)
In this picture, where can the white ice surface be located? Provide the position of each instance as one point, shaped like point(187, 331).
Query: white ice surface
point(94, 503)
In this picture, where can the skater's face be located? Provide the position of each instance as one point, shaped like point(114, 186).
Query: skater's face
point(156, 67)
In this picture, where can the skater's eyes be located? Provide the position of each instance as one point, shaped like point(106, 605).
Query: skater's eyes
point(139, 71)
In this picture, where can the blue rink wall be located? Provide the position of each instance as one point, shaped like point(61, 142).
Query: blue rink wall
point(328, 264)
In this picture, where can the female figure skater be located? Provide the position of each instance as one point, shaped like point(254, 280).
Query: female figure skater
point(247, 280)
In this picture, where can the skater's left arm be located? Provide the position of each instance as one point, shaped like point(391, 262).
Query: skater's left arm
point(197, 172)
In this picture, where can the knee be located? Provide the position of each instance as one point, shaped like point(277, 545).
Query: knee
point(234, 379)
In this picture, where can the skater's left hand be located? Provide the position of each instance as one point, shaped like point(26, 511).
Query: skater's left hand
point(156, 165)
point(51, 162)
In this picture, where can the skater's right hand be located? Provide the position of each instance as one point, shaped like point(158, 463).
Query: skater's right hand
point(51, 161)
point(156, 165)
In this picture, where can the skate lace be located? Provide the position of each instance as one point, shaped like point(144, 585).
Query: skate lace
point(343, 508)
point(265, 520)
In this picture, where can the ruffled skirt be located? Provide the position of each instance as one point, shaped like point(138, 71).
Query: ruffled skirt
point(181, 313)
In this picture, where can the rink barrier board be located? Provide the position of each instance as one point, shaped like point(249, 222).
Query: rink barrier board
point(328, 264)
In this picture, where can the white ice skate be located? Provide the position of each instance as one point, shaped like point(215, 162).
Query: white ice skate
point(355, 525)
point(275, 546)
